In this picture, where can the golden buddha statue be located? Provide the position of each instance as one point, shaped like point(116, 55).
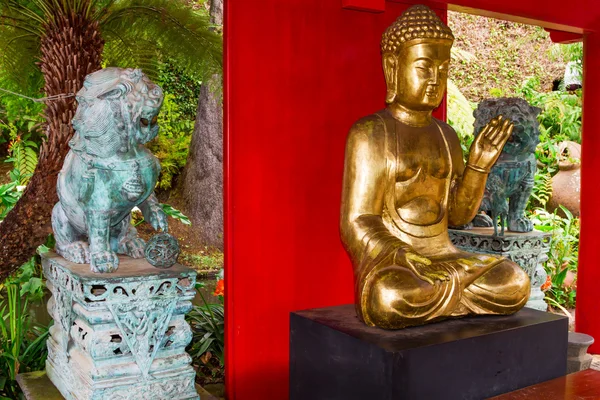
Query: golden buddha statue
point(405, 180)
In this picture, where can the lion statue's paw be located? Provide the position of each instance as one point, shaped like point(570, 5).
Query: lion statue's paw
point(77, 252)
point(104, 261)
point(521, 224)
point(133, 247)
point(483, 220)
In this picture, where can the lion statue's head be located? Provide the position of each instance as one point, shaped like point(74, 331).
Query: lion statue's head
point(526, 132)
point(117, 108)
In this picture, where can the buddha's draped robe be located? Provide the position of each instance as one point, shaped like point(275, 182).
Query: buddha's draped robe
point(409, 211)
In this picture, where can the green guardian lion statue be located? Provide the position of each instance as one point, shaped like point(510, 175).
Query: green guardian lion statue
point(108, 171)
point(510, 182)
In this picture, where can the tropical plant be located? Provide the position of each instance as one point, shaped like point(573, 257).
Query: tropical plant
point(542, 190)
point(22, 343)
point(562, 254)
point(172, 144)
point(63, 41)
point(208, 328)
point(22, 116)
point(137, 218)
point(460, 116)
point(560, 118)
point(23, 155)
point(184, 87)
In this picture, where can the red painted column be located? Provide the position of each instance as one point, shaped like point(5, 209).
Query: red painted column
point(298, 73)
point(587, 319)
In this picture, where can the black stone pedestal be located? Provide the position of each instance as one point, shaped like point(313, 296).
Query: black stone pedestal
point(335, 356)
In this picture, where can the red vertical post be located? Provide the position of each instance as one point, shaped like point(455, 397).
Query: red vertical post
point(588, 277)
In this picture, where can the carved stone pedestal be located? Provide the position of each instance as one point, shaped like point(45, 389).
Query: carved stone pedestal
point(121, 335)
point(528, 250)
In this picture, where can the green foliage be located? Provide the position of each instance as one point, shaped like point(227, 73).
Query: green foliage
point(171, 211)
point(141, 33)
point(563, 253)
point(206, 261)
point(20, 115)
point(460, 116)
point(9, 194)
point(572, 52)
point(489, 56)
point(208, 328)
point(137, 33)
point(175, 213)
point(23, 155)
point(542, 190)
point(22, 343)
point(184, 88)
point(172, 144)
point(560, 118)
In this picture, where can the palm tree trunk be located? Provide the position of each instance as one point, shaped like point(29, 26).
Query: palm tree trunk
point(71, 48)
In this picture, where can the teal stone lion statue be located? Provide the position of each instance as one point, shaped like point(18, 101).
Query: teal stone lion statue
point(511, 180)
point(108, 171)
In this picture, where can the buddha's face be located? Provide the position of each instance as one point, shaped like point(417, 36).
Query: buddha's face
point(418, 74)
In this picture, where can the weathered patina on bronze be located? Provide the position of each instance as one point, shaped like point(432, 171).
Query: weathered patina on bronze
point(108, 171)
point(510, 181)
point(405, 180)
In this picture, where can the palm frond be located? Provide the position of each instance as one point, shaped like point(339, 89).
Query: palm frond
point(170, 27)
point(18, 55)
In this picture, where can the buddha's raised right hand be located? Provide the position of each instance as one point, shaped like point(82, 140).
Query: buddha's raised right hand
point(421, 266)
point(488, 144)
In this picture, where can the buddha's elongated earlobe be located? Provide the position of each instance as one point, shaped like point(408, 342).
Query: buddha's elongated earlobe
point(390, 65)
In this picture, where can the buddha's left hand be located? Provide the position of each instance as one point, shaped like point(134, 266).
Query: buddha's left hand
point(487, 146)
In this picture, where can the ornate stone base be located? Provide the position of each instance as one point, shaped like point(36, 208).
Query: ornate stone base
point(528, 250)
point(121, 335)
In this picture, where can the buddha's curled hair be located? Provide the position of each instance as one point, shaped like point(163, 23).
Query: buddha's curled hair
point(109, 107)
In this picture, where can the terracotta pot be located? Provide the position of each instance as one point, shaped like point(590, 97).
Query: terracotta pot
point(566, 184)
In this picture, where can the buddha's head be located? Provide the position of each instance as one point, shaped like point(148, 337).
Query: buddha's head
point(416, 55)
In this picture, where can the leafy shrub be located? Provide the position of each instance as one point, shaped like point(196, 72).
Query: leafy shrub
point(562, 255)
point(23, 155)
point(208, 328)
point(542, 190)
point(560, 118)
point(172, 144)
point(20, 117)
point(184, 88)
point(460, 116)
point(22, 343)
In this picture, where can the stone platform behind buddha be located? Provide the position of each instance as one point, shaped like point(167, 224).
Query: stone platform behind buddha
point(529, 250)
point(335, 356)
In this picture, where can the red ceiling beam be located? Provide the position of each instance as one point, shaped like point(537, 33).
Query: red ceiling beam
point(564, 37)
point(364, 5)
point(582, 16)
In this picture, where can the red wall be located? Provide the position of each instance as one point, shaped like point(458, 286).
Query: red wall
point(587, 317)
point(298, 74)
